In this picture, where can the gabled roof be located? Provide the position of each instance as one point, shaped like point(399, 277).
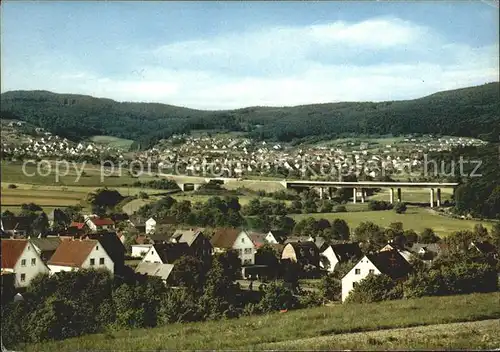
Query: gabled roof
point(160, 237)
point(279, 235)
point(428, 247)
point(78, 225)
point(187, 236)
point(225, 237)
point(72, 252)
point(296, 239)
point(346, 251)
point(258, 239)
point(102, 221)
point(112, 245)
point(170, 252)
point(46, 243)
point(16, 223)
point(162, 271)
point(484, 247)
point(390, 263)
point(11, 251)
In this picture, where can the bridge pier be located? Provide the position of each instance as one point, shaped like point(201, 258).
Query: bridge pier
point(354, 195)
point(399, 195)
point(391, 197)
point(438, 197)
point(432, 197)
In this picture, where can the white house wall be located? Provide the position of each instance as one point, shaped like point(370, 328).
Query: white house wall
point(364, 266)
point(139, 251)
point(29, 270)
point(152, 256)
point(97, 253)
point(332, 259)
point(245, 244)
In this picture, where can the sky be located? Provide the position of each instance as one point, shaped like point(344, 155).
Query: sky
point(222, 55)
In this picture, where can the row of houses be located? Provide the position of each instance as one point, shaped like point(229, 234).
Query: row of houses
point(26, 258)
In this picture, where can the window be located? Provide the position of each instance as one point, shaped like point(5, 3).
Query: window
point(92, 261)
point(354, 284)
point(247, 261)
point(96, 248)
point(33, 261)
point(371, 271)
point(23, 262)
point(243, 240)
point(23, 277)
point(101, 261)
point(357, 271)
point(248, 250)
point(240, 252)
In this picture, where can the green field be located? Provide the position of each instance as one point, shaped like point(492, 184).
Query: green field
point(413, 195)
point(352, 326)
point(115, 142)
point(415, 218)
point(12, 172)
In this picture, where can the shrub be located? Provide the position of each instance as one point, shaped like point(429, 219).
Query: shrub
point(340, 209)
point(331, 287)
point(277, 296)
point(379, 205)
point(12, 186)
point(400, 208)
point(375, 288)
point(309, 299)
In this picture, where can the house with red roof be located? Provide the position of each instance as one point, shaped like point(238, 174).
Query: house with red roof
point(225, 239)
point(99, 224)
point(80, 254)
point(22, 259)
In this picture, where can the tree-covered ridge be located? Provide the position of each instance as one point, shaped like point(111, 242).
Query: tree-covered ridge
point(470, 111)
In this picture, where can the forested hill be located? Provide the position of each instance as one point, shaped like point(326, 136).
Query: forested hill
point(470, 111)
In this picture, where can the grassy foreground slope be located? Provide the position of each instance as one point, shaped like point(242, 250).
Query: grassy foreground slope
point(282, 331)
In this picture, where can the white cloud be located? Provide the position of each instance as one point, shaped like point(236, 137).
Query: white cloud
point(378, 59)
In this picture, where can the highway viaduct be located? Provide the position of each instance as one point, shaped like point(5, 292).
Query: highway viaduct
point(325, 187)
point(359, 188)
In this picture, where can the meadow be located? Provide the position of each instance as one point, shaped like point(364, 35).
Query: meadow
point(114, 142)
point(353, 326)
point(415, 218)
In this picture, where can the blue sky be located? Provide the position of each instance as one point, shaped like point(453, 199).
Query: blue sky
point(217, 55)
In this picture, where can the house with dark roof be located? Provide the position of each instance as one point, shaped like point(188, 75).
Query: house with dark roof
point(303, 253)
point(339, 253)
point(390, 263)
point(16, 226)
point(426, 251)
point(166, 253)
point(113, 247)
point(484, 247)
point(278, 235)
point(80, 254)
point(225, 239)
point(57, 216)
point(200, 245)
point(152, 223)
point(21, 258)
point(45, 246)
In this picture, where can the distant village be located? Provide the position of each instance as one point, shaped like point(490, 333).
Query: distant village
point(240, 157)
